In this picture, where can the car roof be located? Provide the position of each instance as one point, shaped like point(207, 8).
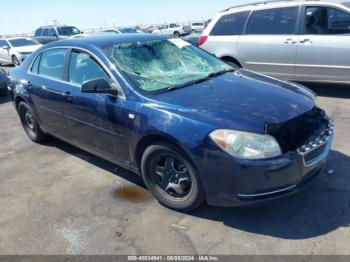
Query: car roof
point(106, 39)
point(282, 2)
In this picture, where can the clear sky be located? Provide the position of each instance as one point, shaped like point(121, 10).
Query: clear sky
point(24, 16)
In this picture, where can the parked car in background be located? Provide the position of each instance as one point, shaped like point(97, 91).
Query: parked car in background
point(151, 29)
point(294, 40)
point(48, 34)
point(173, 29)
point(15, 50)
point(123, 30)
point(198, 27)
point(3, 82)
point(192, 38)
point(192, 126)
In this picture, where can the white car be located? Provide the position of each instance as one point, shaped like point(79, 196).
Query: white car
point(198, 27)
point(15, 50)
point(122, 30)
point(306, 41)
point(173, 29)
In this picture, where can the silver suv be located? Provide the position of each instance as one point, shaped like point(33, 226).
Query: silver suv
point(293, 40)
point(47, 34)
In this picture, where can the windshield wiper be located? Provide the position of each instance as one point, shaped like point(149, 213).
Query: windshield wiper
point(211, 75)
point(208, 77)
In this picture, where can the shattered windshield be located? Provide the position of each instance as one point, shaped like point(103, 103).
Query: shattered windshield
point(156, 65)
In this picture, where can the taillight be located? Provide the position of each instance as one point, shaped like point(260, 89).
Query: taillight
point(202, 40)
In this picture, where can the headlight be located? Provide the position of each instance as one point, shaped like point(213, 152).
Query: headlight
point(246, 145)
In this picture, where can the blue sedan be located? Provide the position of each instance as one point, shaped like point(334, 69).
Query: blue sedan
point(195, 128)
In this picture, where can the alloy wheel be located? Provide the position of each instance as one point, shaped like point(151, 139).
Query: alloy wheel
point(172, 176)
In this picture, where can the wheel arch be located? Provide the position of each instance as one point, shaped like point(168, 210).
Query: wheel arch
point(150, 139)
point(230, 58)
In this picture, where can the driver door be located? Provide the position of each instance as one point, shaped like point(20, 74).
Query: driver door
point(87, 113)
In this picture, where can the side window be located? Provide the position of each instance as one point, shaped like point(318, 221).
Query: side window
point(278, 21)
point(52, 63)
point(230, 24)
point(52, 32)
point(35, 66)
point(2, 43)
point(82, 68)
point(45, 32)
point(38, 32)
point(326, 21)
point(339, 21)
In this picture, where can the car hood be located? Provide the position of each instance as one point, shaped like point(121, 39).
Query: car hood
point(242, 100)
point(27, 49)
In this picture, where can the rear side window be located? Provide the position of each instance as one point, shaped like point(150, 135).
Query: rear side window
point(38, 32)
point(52, 63)
point(82, 68)
point(231, 24)
point(35, 66)
point(45, 32)
point(278, 21)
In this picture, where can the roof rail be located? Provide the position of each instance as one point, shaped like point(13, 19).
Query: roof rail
point(264, 3)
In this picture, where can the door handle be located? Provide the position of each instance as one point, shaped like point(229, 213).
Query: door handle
point(290, 41)
point(68, 96)
point(306, 41)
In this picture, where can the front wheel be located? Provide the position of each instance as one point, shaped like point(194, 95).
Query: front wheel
point(15, 61)
point(30, 123)
point(177, 34)
point(171, 178)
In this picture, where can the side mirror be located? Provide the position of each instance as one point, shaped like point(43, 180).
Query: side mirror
point(100, 86)
point(5, 47)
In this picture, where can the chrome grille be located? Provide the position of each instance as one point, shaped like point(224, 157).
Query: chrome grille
point(315, 150)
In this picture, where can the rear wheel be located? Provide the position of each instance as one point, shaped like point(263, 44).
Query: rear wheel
point(30, 123)
point(232, 63)
point(171, 178)
point(15, 61)
point(177, 34)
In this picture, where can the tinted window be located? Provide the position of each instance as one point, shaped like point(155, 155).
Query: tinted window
point(339, 21)
point(38, 32)
point(324, 21)
point(83, 68)
point(23, 42)
point(3, 43)
point(128, 30)
point(68, 31)
point(45, 32)
point(52, 63)
point(52, 32)
point(278, 21)
point(230, 24)
point(35, 67)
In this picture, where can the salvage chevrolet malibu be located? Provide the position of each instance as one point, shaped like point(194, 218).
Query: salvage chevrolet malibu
point(192, 126)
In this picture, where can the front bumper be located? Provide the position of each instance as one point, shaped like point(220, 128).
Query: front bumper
point(232, 182)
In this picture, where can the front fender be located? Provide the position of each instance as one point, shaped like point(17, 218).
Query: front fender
point(187, 133)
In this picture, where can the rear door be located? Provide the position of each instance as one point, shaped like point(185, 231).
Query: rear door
point(269, 44)
point(324, 46)
point(46, 89)
point(45, 36)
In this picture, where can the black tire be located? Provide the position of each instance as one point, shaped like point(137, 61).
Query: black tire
point(15, 61)
point(193, 195)
point(232, 63)
point(177, 34)
point(30, 123)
